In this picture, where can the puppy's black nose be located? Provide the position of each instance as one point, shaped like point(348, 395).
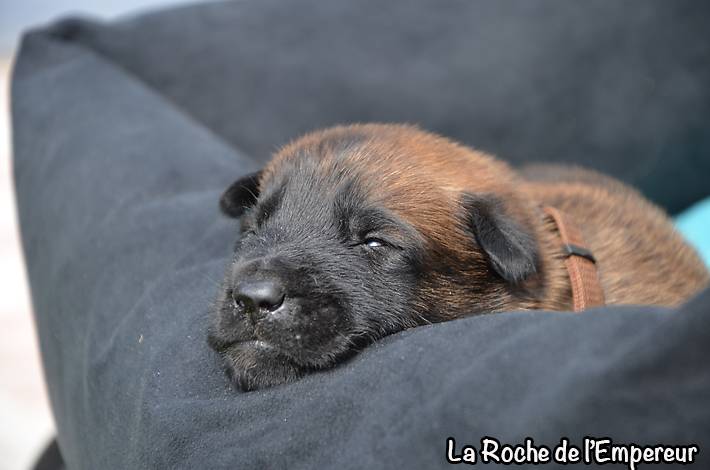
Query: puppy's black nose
point(259, 297)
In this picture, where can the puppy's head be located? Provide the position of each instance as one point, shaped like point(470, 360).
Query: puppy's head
point(357, 232)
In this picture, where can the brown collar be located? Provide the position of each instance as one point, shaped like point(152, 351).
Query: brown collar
point(586, 290)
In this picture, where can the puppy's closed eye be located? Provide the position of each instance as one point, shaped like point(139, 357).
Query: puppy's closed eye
point(373, 243)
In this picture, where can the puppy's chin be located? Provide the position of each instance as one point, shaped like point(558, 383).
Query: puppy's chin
point(256, 364)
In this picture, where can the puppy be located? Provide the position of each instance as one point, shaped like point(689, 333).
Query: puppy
point(356, 232)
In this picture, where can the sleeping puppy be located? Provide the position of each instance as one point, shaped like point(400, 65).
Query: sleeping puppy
point(356, 232)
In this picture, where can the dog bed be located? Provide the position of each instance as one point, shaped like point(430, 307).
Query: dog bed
point(126, 132)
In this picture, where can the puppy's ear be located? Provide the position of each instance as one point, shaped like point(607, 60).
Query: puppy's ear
point(241, 195)
point(511, 250)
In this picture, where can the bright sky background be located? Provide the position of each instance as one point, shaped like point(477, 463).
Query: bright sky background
point(18, 15)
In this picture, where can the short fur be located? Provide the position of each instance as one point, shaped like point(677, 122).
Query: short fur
point(371, 229)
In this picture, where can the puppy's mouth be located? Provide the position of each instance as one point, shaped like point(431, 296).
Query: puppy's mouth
point(293, 351)
point(224, 346)
point(259, 344)
point(267, 349)
point(312, 341)
point(276, 340)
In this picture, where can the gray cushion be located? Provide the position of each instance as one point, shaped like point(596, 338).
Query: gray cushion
point(125, 134)
point(617, 86)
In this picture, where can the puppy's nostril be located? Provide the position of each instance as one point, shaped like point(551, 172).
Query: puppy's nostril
point(259, 295)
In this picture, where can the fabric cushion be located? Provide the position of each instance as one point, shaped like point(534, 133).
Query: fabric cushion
point(617, 86)
point(125, 134)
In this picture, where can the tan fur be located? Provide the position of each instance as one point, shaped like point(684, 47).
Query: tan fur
point(420, 177)
point(641, 258)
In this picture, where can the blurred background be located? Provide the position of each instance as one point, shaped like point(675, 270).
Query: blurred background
point(25, 419)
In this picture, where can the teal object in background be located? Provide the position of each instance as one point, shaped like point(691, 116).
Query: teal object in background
point(694, 224)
